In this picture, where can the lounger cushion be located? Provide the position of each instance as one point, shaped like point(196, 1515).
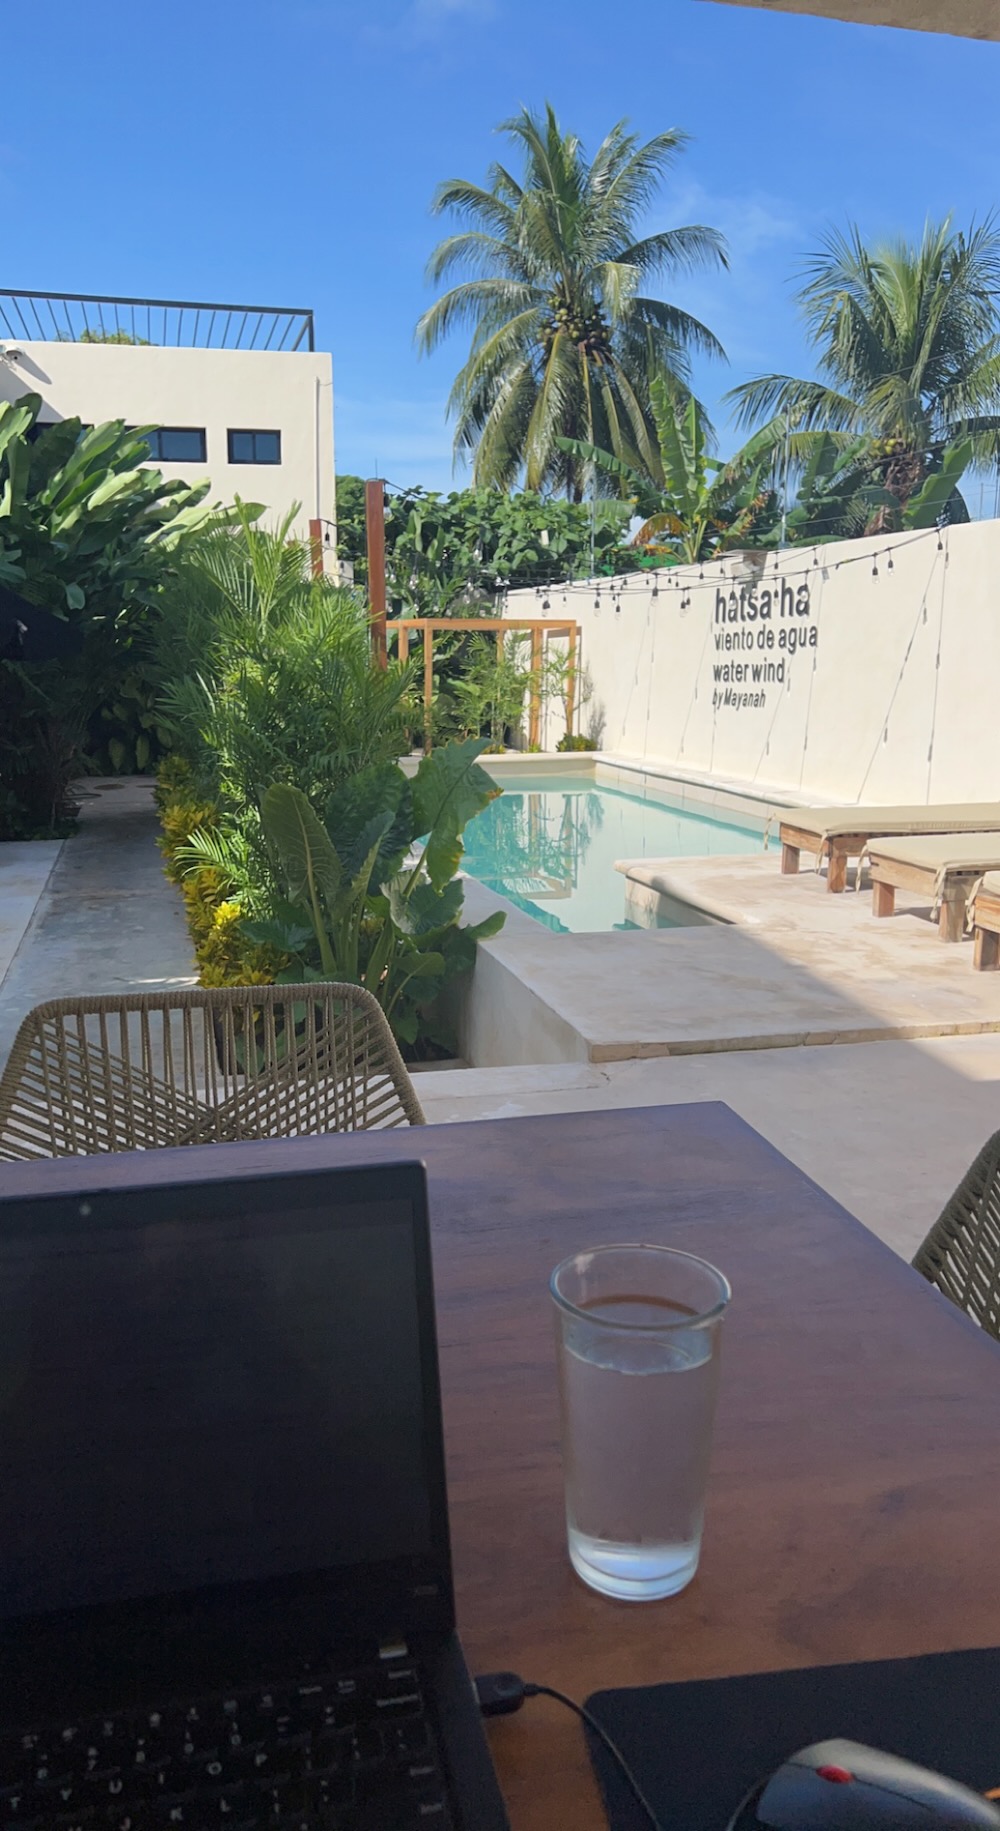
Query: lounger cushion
point(946, 852)
point(991, 883)
point(958, 817)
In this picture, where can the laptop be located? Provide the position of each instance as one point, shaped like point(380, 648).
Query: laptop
point(225, 1581)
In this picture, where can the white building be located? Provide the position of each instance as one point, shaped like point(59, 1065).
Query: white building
point(237, 394)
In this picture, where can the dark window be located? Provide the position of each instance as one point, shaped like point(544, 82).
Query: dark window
point(177, 444)
point(255, 447)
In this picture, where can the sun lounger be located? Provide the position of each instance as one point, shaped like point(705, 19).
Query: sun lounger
point(841, 833)
point(945, 868)
point(986, 922)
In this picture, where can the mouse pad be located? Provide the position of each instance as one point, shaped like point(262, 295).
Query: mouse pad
point(697, 1748)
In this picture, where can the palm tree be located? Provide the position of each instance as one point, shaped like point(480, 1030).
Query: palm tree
point(909, 354)
point(564, 339)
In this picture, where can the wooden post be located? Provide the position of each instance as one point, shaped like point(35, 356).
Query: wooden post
point(428, 686)
point(403, 637)
point(375, 530)
point(790, 856)
point(836, 870)
point(883, 899)
point(316, 548)
point(535, 693)
point(985, 950)
point(571, 679)
point(951, 920)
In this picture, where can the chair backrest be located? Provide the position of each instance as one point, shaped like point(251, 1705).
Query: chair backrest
point(961, 1254)
point(205, 1066)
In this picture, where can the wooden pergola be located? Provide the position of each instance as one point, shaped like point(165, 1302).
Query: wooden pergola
point(540, 627)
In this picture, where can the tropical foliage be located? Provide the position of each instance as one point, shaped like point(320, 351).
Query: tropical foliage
point(287, 822)
point(839, 495)
point(458, 552)
point(695, 505)
point(268, 669)
point(370, 891)
point(564, 333)
point(450, 553)
point(84, 521)
point(908, 342)
point(87, 533)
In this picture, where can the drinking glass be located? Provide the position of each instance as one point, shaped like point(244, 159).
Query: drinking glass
point(638, 1331)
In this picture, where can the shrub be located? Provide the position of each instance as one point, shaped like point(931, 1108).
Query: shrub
point(369, 893)
point(88, 530)
point(224, 954)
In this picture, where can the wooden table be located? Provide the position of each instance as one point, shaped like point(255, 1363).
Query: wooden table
point(855, 1496)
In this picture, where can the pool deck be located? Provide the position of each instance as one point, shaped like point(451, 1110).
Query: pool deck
point(782, 964)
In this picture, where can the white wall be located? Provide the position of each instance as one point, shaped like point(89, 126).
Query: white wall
point(895, 695)
point(217, 389)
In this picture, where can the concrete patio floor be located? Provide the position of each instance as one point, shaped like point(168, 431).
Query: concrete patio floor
point(104, 918)
point(887, 1128)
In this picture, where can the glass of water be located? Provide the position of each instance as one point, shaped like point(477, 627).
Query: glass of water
point(638, 1332)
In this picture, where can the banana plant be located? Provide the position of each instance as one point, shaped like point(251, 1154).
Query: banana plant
point(369, 892)
point(88, 515)
point(705, 506)
point(838, 498)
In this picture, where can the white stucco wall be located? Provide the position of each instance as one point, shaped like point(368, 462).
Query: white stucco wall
point(218, 389)
point(883, 688)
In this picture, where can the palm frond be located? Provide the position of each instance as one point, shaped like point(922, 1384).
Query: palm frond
point(680, 328)
point(475, 302)
point(679, 250)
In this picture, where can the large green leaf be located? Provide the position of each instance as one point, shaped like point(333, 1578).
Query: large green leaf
point(287, 928)
point(423, 910)
point(381, 789)
point(932, 499)
point(602, 460)
point(300, 841)
point(449, 788)
point(16, 417)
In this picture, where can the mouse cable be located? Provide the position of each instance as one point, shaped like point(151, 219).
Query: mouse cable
point(500, 1693)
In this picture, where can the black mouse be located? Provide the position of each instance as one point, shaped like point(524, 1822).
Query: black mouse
point(843, 1786)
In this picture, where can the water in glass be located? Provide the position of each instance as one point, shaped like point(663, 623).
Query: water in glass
point(637, 1434)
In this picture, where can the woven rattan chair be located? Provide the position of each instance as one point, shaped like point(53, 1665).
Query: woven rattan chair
point(200, 1067)
point(961, 1254)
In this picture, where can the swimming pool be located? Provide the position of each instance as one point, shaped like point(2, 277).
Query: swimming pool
point(549, 843)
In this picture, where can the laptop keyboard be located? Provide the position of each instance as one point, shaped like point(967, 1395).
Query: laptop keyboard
point(350, 1751)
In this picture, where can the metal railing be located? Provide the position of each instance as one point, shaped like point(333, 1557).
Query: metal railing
point(77, 317)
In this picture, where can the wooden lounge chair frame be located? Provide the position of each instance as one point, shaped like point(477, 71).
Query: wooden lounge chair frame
point(951, 897)
point(986, 929)
point(837, 848)
point(201, 1066)
point(839, 834)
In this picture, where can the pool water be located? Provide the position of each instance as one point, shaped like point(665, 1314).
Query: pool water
point(549, 844)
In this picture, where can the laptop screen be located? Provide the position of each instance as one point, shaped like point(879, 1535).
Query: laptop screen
point(214, 1384)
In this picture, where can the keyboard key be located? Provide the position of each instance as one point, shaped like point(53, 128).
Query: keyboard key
point(411, 1737)
point(332, 1752)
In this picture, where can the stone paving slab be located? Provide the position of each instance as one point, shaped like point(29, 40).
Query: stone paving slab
point(784, 964)
point(107, 920)
point(25, 866)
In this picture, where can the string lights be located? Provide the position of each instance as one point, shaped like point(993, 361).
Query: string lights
point(713, 574)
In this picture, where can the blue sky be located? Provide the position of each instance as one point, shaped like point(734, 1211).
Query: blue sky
point(285, 152)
